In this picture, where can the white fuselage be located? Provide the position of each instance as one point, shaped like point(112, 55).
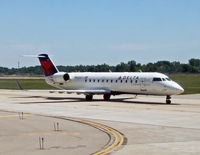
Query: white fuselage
point(117, 83)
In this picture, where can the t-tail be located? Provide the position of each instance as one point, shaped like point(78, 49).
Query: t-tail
point(47, 65)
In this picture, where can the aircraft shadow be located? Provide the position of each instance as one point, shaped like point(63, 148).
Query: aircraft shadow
point(54, 99)
point(75, 99)
point(141, 102)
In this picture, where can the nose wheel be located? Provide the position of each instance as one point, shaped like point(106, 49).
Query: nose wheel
point(168, 99)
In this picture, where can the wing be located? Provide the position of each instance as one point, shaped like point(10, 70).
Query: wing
point(86, 92)
point(81, 91)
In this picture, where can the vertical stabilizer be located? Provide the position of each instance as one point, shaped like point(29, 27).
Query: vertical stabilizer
point(47, 65)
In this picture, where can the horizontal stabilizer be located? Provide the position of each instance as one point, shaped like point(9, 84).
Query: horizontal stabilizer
point(33, 56)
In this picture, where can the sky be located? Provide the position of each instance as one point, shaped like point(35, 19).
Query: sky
point(94, 32)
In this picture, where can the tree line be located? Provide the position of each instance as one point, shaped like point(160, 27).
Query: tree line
point(193, 66)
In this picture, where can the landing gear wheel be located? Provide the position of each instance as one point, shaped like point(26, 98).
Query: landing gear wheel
point(106, 97)
point(168, 99)
point(88, 97)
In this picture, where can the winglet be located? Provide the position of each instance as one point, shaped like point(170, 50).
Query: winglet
point(19, 85)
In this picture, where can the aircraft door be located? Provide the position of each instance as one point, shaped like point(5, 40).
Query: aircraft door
point(142, 84)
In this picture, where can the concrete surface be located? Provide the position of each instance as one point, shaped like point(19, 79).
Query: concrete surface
point(20, 137)
point(151, 126)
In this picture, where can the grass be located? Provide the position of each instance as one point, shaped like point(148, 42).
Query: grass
point(25, 83)
point(190, 82)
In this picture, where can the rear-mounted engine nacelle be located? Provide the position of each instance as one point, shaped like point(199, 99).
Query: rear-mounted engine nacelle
point(66, 77)
point(60, 77)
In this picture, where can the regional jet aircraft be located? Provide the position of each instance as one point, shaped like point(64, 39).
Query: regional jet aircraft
point(110, 83)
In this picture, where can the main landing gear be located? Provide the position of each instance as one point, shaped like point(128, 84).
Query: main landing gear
point(168, 99)
point(88, 97)
point(106, 97)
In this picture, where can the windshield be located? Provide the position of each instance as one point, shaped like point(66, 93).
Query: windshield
point(155, 79)
point(168, 79)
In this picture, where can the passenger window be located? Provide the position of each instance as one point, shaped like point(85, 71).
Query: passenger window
point(131, 81)
point(136, 81)
point(85, 80)
point(121, 81)
point(111, 81)
point(106, 80)
point(126, 81)
point(157, 79)
point(102, 80)
point(89, 80)
point(116, 81)
point(98, 80)
point(93, 80)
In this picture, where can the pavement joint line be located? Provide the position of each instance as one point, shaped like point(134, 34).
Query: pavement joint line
point(50, 133)
point(5, 116)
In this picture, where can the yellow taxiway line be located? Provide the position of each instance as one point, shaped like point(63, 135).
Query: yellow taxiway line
point(119, 138)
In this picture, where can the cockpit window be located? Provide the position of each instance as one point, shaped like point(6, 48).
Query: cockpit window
point(168, 79)
point(157, 79)
point(163, 79)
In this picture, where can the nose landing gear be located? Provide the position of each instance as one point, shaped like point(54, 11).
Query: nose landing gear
point(168, 99)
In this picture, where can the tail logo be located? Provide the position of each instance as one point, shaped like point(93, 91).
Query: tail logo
point(47, 66)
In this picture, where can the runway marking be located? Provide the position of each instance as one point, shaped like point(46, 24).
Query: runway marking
point(49, 133)
point(119, 138)
point(6, 116)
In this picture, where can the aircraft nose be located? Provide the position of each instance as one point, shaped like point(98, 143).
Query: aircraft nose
point(178, 89)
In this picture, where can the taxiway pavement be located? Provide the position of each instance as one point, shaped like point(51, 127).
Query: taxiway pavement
point(150, 126)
